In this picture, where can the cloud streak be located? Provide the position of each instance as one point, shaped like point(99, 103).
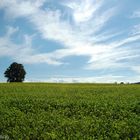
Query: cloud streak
point(84, 37)
point(83, 11)
point(93, 79)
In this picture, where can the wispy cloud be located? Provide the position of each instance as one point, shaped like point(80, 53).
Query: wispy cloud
point(9, 48)
point(82, 38)
point(94, 79)
point(136, 14)
point(20, 8)
point(84, 10)
point(24, 53)
point(136, 69)
point(136, 30)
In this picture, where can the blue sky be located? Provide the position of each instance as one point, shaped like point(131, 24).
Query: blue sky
point(71, 40)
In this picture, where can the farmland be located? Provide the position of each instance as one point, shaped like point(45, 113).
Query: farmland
point(69, 111)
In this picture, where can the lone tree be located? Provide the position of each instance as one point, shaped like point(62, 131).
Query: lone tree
point(15, 73)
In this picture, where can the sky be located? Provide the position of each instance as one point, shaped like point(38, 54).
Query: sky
point(71, 40)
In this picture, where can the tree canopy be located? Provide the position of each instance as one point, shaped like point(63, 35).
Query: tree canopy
point(15, 73)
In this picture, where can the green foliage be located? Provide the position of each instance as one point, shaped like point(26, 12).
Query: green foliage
point(15, 73)
point(69, 111)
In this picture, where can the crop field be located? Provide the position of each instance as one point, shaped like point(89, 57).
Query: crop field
point(31, 111)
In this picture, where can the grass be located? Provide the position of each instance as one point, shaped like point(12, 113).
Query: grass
point(69, 111)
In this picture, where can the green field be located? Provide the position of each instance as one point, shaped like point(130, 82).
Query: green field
point(69, 111)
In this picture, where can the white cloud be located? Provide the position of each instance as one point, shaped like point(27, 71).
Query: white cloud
point(18, 8)
point(11, 30)
point(93, 79)
point(24, 53)
point(136, 30)
point(136, 14)
point(84, 10)
point(8, 48)
point(136, 69)
point(38, 58)
point(127, 40)
point(79, 39)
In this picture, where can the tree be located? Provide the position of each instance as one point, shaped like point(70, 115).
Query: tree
point(15, 73)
